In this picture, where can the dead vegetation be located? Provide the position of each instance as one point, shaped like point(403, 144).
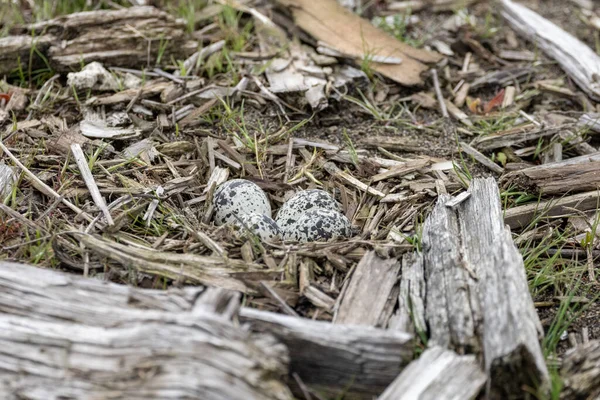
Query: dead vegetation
point(108, 171)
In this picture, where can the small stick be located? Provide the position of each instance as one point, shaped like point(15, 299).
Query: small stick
point(41, 186)
point(88, 178)
point(438, 93)
point(273, 294)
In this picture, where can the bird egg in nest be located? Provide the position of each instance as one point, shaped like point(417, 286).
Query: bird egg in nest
point(303, 201)
point(318, 224)
point(239, 197)
point(260, 225)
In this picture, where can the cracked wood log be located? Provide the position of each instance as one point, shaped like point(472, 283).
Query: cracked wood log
point(358, 362)
point(579, 61)
point(372, 287)
point(572, 175)
point(520, 217)
point(476, 298)
point(355, 360)
point(67, 338)
point(137, 35)
point(581, 372)
point(438, 374)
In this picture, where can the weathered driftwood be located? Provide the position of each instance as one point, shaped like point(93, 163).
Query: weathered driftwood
point(580, 62)
point(355, 360)
point(575, 174)
point(137, 36)
point(369, 292)
point(520, 217)
point(476, 298)
point(67, 338)
point(438, 374)
point(358, 361)
point(581, 372)
point(410, 315)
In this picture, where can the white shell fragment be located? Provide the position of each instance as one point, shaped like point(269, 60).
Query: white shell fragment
point(239, 197)
point(318, 224)
point(303, 201)
point(260, 225)
point(93, 76)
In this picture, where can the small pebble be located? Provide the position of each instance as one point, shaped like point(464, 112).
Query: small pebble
point(239, 197)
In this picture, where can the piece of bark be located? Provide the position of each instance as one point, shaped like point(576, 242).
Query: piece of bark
point(520, 217)
point(340, 29)
point(359, 362)
point(477, 298)
point(580, 62)
point(580, 372)
point(370, 290)
point(482, 159)
point(410, 315)
point(575, 174)
point(64, 338)
point(438, 374)
point(137, 35)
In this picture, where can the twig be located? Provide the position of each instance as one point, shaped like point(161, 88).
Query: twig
point(41, 186)
point(88, 178)
point(438, 93)
point(268, 290)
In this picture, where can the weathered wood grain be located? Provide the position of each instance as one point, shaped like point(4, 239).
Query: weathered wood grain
point(576, 58)
point(575, 174)
point(358, 361)
point(136, 37)
point(365, 300)
point(355, 360)
point(581, 372)
point(477, 299)
point(520, 217)
point(438, 374)
point(67, 338)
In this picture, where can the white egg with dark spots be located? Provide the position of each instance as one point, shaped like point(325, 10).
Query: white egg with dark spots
point(303, 201)
point(318, 224)
point(239, 197)
point(260, 225)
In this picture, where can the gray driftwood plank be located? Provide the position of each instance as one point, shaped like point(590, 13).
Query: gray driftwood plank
point(410, 315)
point(477, 298)
point(520, 217)
point(438, 374)
point(365, 301)
point(68, 338)
point(358, 361)
point(581, 372)
point(575, 174)
point(577, 59)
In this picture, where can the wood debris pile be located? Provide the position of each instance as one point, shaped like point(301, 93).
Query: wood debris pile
point(468, 227)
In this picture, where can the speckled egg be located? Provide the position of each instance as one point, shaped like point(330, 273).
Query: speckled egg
point(239, 197)
point(304, 201)
point(318, 224)
point(260, 225)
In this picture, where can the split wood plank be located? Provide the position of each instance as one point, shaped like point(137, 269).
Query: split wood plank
point(66, 338)
point(410, 315)
point(358, 361)
point(477, 299)
point(520, 217)
point(438, 374)
point(577, 59)
point(575, 174)
point(369, 292)
point(340, 29)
